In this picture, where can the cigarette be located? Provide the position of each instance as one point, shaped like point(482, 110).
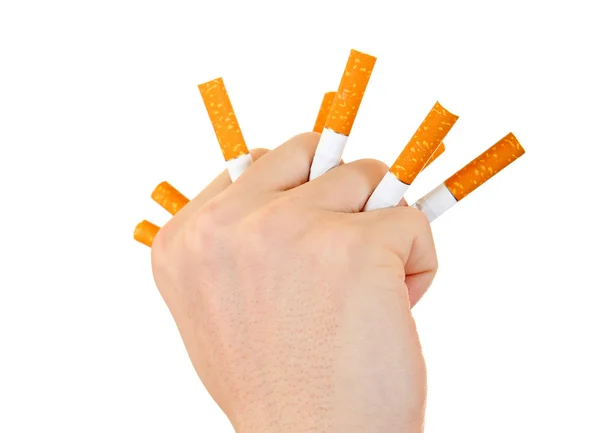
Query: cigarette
point(323, 112)
point(470, 177)
point(441, 149)
point(169, 198)
point(342, 114)
point(227, 129)
point(145, 232)
point(416, 155)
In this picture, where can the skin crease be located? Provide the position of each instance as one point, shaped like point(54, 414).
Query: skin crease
point(294, 306)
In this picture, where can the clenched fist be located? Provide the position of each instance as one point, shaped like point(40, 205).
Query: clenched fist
point(295, 306)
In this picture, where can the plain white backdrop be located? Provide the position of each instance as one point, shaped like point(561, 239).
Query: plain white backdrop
point(98, 104)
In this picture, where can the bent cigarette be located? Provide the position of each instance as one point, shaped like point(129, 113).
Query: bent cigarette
point(145, 232)
point(323, 112)
point(441, 149)
point(470, 177)
point(226, 127)
point(342, 114)
point(416, 155)
point(169, 198)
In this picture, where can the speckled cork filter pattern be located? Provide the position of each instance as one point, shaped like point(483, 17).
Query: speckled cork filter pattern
point(169, 198)
point(223, 119)
point(323, 111)
point(485, 166)
point(441, 149)
point(350, 92)
point(423, 144)
point(145, 232)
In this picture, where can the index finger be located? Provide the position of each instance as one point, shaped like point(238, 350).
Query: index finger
point(218, 185)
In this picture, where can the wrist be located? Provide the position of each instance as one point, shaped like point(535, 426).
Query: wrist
point(312, 423)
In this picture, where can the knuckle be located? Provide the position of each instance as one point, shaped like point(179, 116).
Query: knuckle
point(307, 141)
point(269, 220)
point(422, 226)
point(201, 231)
point(375, 165)
point(160, 247)
point(340, 241)
point(417, 218)
point(435, 266)
point(306, 136)
point(162, 254)
point(259, 152)
point(350, 237)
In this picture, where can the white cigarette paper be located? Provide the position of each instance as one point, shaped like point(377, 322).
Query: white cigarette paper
point(238, 165)
point(328, 154)
point(342, 113)
point(436, 202)
point(388, 193)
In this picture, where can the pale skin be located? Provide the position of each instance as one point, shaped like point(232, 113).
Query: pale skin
point(295, 306)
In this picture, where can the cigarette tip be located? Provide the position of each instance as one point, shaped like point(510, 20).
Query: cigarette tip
point(140, 228)
point(160, 190)
point(515, 143)
point(439, 106)
point(210, 82)
point(361, 53)
point(145, 232)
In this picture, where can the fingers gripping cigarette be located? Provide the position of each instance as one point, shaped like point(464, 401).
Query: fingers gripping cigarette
point(226, 127)
point(470, 177)
point(343, 111)
point(423, 148)
point(145, 232)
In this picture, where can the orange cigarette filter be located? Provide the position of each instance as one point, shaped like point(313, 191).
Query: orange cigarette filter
point(324, 111)
point(350, 92)
point(485, 166)
point(145, 232)
point(441, 149)
point(221, 114)
point(169, 198)
point(423, 144)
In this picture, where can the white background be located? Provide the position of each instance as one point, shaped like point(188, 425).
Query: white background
point(98, 104)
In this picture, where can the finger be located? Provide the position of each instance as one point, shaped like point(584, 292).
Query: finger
point(346, 188)
point(283, 168)
point(407, 233)
point(218, 185)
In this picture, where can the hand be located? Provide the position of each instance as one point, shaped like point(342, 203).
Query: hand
point(295, 307)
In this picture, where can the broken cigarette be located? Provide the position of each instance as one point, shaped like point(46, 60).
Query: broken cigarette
point(422, 149)
point(441, 149)
point(226, 127)
point(323, 112)
point(344, 108)
point(145, 232)
point(169, 198)
point(470, 177)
